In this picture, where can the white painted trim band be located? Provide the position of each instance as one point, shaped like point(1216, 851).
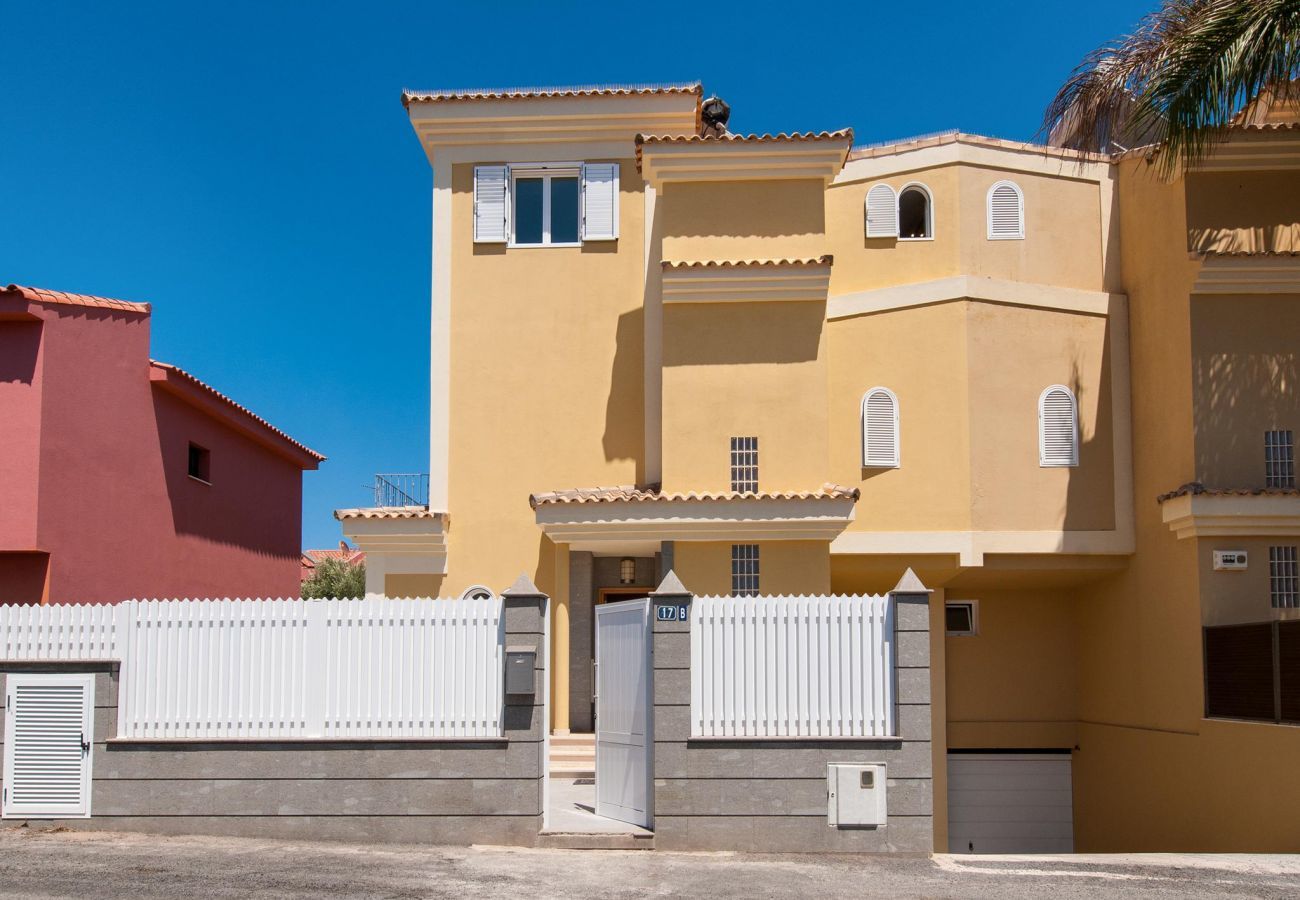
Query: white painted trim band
point(971, 287)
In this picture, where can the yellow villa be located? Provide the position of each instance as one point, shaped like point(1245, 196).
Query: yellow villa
point(1059, 388)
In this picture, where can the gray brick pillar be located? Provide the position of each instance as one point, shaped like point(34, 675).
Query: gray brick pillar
point(525, 611)
point(671, 723)
point(912, 664)
point(581, 613)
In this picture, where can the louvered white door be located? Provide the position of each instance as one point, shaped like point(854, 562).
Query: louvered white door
point(49, 722)
point(624, 739)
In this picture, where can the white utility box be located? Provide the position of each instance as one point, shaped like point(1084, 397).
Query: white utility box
point(856, 794)
point(1229, 560)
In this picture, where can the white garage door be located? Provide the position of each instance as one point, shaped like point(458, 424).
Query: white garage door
point(1010, 803)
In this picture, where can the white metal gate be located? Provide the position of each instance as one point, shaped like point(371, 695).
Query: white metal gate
point(49, 727)
point(623, 732)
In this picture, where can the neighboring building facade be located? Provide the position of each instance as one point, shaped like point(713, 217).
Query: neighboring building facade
point(124, 477)
point(778, 364)
point(344, 552)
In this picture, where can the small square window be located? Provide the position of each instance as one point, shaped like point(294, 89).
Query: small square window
point(961, 618)
point(199, 465)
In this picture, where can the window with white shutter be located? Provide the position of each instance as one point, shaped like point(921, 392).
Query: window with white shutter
point(49, 726)
point(600, 202)
point(1058, 427)
point(880, 429)
point(491, 204)
point(882, 212)
point(1006, 212)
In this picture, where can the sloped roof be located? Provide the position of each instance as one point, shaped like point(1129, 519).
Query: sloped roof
point(825, 260)
point(525, 93)
point(652, 494)
point(45, 295)
point(1196, 489)
point(386, 512)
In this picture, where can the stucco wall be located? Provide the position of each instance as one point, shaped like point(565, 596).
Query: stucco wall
point(738, 220)
point(20, 409)
point(785, 567)
point(1236, 597)
point(1243, 211)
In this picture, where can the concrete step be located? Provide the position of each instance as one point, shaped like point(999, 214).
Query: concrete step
point(573, 740)
point(561, 840)
point(573, 770)
point(573, 753)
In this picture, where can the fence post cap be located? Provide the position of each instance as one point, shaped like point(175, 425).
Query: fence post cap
point(910, 584)
point(671, 586)
point(523, 587)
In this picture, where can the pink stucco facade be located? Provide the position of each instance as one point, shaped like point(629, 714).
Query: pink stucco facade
point(96, 500)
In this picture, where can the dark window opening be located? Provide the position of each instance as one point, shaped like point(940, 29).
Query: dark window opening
point(199, 466)
point(1253, 671)
point(914, 214)
point(959, 618)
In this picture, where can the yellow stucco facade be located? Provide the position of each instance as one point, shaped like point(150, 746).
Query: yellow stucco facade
point(744, 297)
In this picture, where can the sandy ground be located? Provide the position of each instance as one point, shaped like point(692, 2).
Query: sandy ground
point(36, 862)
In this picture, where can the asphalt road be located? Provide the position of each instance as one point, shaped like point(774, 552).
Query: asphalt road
point(36, 862)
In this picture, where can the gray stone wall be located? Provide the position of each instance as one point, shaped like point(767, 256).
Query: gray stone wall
point(409, 791)
point(770, 795)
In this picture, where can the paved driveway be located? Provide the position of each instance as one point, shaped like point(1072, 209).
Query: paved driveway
point(36, 862)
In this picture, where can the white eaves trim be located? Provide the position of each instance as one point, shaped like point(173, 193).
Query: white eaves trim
point(971, 287)
point(970, 547)
point(1232, 515)
point(1029, 159)
point(1263, 274)
point(745, 284)
point(416, 546)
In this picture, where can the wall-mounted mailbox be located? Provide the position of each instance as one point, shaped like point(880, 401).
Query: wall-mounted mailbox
point(856, 794)
point(520, 664)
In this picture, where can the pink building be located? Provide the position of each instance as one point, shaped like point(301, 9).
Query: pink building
point(124, 477)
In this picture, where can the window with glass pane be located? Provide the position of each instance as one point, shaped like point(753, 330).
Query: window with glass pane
point(565, 202)
point(529, 196)
point(546, 207)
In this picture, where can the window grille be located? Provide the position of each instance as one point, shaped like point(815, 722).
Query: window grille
point(744, 570)
point(1284, 577)
point(1279, 459)
point(744, 464)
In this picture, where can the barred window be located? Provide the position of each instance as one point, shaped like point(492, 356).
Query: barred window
point(744, 570)
point(744, 464)
point(1283, 577)
point(1279, 459)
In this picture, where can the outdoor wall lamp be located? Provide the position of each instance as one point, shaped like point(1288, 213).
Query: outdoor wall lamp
point(626, 571)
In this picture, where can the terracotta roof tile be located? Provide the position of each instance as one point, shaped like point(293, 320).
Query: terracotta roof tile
point(798, 136)
point(186, 376)
point(936, 139)
point(1195, 488)
point(524, 93)
point(44, 295)
point(1201, 254)
point(825, 260)
point(652, 494)
point(386, 512)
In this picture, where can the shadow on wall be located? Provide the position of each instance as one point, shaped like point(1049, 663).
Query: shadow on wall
point(742, 209)
point(1095, 474)
point(1245, 381)
point(717, 334)
point(624, 436)
point(20, 346)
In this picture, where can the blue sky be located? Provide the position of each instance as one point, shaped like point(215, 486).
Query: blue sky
point(248, 167)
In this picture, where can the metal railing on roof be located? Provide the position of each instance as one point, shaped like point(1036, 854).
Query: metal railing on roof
point(402, 489)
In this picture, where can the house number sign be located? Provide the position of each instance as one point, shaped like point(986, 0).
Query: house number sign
point(671, 613)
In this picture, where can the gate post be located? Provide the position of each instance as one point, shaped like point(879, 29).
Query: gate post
point(524, 609)
point(670, 657)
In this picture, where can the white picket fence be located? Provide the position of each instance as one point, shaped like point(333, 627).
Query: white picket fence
point(283, 669)
point(792, 666)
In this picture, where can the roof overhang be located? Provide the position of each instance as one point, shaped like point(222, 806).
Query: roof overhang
point(674, 158)
point(593, 525)
point(407, 540)
point(1197, 515)
point(746, 281)
point(1247, 273)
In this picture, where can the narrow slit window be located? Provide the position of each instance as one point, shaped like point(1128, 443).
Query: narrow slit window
point(200, 463)
point(744, 465)
point(1058, 427)
point(1279, 459)
point(1284, 577)
point(744, 570)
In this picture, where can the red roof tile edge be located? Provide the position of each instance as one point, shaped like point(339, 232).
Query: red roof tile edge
point(838, 135)
point(168, 370)
point(1196, 489)
point(45, 295)
point(577, 90)
point(825, 260)
point(387, 512)
point(652, 494)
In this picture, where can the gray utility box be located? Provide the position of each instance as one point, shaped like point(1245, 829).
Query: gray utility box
point(856, 794)
point(521, 662)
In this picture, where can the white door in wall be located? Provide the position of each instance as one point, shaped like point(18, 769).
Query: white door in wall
point(623, 709)
point(49, 723)
point(1010, 803)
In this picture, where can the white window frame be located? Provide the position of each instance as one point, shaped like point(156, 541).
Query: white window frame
point(744, 464)
point(1043, 461)
point(897, 461)
point(746, 583)
point(1283, 577)
point(477, 590)
point(929, 211)
point(1279, 458)
point(545, 172)
point(988, 212)
point(974, 618)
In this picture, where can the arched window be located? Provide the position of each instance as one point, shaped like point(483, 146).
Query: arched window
point(1058, 427)
point(477, 592)
point(880, 429)
point(915, 213)
point(1006, 212)
point(882, 212)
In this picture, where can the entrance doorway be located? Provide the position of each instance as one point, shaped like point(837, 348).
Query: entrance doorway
point(623, 712)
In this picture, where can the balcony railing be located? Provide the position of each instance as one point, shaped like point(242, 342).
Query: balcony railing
point(402, 489)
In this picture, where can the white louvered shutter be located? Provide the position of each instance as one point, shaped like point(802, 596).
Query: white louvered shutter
point(880, 429)
point(1006, 211)
point(600, 202)
point(882, 212)
point(49, 721)
point(491, 204)
point(1058, 433)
